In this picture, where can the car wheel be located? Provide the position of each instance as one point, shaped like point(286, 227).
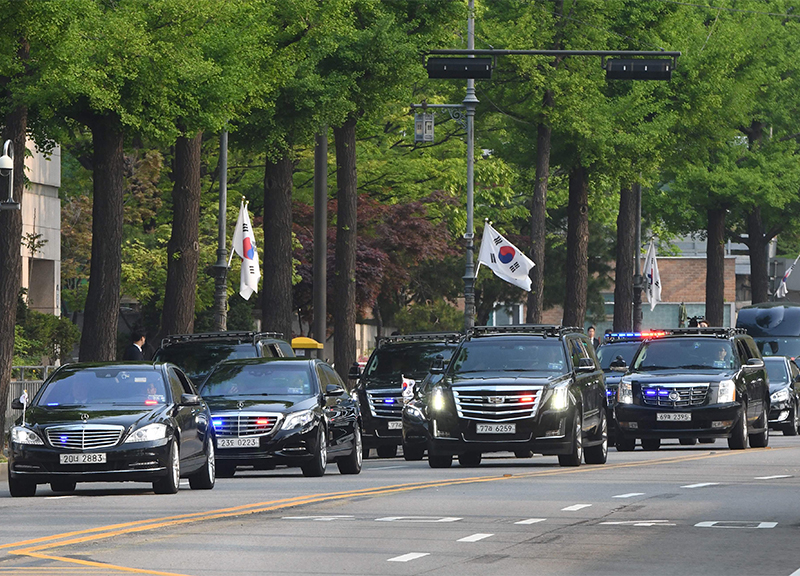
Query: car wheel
point(206, 477)
point(576, 454)
point(387, 451)
point(706, 440)
point(316, 466)
point(352, 464)
point(20, 487)
point(761, 439)
point(687, 441)
point(225, 470)
point(598, 454)
point(523, 453)
point(469, 459)
point(625, 444)
point(651, 443)
point(172, 481)
point(413, 453)
point(440, 460)
point(791, 428)
point(63, 486)
point(738, 438)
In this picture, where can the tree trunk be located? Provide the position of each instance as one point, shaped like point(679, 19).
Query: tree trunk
point(539, 218)
point(577, 248)
point(183, 249)
point(276, 307)
point(757, 243)
point(16, 123)
point(99, 336)
point(344, 281)
point(715, 267)
point(626, 251)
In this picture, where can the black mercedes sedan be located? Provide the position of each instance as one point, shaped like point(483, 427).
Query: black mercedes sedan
point(108, 422)
point(282, 411)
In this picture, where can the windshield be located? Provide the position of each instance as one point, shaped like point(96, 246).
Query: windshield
point(685, 354)
point(607, 353)
point(104, 386)
point(408, 359)
point(778, 345)
point(526, 354)
point(197, 359)
point(269, 379)
point(776, 370)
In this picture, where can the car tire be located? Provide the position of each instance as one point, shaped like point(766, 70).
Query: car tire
point(20, 487)
point(63, 486)
point(738, 437)
point(206, 477)
point(651, 444)
point(470, 459)
point(170, 483)
point(687, 441)
point(598, 454)
point(440, 460)
point(575, 455)
point(706, 440)
point(625, 444)
point(761, 439)
point(387, 451)
point(413, 453)
point(791, 428)
point(315, 467)
point(352, 464)
point(520, 453)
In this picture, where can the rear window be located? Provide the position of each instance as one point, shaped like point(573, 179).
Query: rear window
point(104, 386)
point(197, 359)
point(270, 379)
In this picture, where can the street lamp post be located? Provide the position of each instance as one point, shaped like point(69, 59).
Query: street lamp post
point(470, 102)
point(637, 267)
point(221, 267)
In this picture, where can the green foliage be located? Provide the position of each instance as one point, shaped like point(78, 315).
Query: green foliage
point(43, 338)
point(430, 316)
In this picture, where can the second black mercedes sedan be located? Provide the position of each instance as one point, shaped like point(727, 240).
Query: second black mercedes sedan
point(112, 422)
point(784, 390)
point(282, 411)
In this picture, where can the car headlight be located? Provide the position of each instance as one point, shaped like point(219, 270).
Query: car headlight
point(147, 433)
point(625, 392)
point(22, 435)
point(727, 391)
point(437, 398)
point(414, 412)
point(560, 398)
point(781, 395)
point(298, 419)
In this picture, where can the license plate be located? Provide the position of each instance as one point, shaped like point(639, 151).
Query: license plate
point(396, 425)
point(89, 458)
point(673, 417)
point(496, 428)
point(237, 442)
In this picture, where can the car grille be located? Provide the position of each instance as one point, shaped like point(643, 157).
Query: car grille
point(244, 424)
point(84, 437)
point(385, 403)
point(673, 396)
point(500, 404)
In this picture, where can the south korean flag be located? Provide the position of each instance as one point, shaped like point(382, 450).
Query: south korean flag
point(505, 260)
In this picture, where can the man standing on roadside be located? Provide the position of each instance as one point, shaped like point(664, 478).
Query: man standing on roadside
point(134, 351)
point(590, 332)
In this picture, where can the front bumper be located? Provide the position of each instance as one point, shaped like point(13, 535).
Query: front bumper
point(139, 462)
point(283, 447)
point(711, 421)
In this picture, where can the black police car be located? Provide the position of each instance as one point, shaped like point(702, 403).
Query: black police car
point(380, 386)
point(694, 383)
point(784, 387)
point(197, 354)
point(112, 422)
point(282, 411)
point(524, 389)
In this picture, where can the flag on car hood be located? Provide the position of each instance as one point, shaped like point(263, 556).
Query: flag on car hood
point(244, 244)
point(505, 260)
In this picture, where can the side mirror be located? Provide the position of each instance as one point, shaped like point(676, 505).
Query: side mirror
point(586, 365)
point(334, 390)
point(438, 365)
point(755, 363)
point(190, 400)
point(355, 371)
point(16, 404)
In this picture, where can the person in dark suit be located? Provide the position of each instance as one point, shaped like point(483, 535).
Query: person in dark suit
point(134, 351)
point(590, 332)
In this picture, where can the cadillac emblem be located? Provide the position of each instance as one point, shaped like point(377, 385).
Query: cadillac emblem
point(496, 399)
point(674, 396)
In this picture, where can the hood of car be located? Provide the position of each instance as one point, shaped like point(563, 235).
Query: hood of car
point(260, 403)
point(777, 386)
point(44, 416)
point(679, 377)
point(502, 378)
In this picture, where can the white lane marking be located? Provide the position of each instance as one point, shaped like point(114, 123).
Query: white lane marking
point(408, 557)
point(795, 573)
point(531, 521)
point(629, 495)
point(316, 518)
point(773, 477)
point(386, 467)
point(701, 485)
point(417, 519)
point(736, 524)
point(642, 523)
point(575, 507)
point(58, 497)
point(474, 537)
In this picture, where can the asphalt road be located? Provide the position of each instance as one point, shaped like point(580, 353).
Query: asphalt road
point(680, 510)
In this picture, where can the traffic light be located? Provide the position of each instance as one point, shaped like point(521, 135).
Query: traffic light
point(459, 68)
point(639, 69)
